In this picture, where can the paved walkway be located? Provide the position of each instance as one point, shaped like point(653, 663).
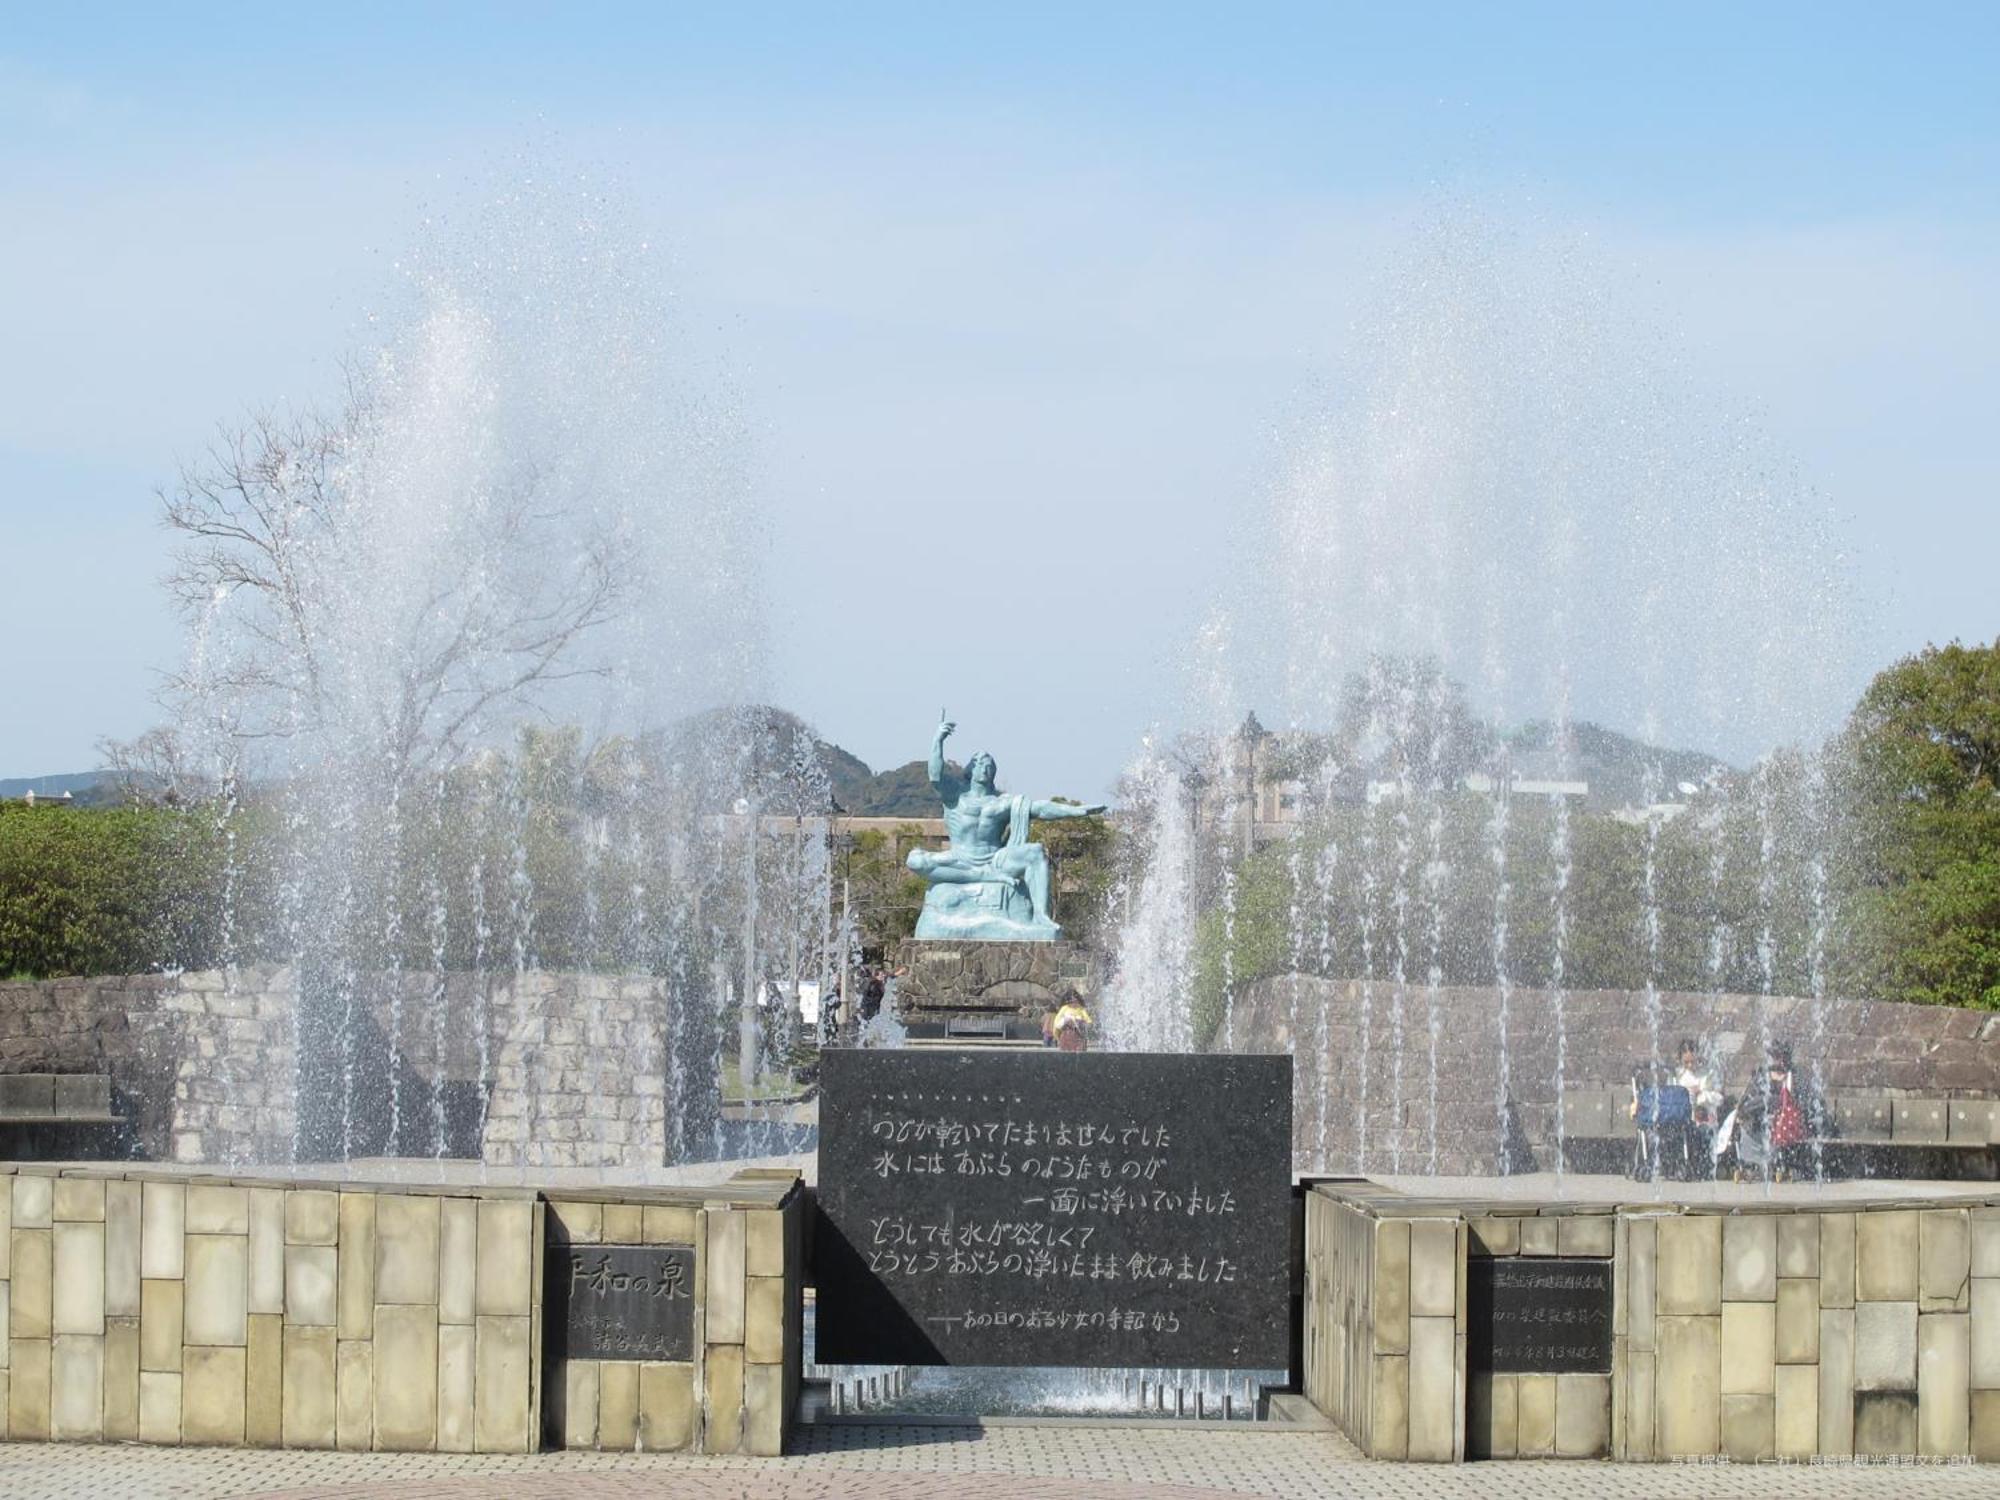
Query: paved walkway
point(932, 1463)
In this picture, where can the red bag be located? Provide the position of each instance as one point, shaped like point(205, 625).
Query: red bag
point(1788, 1126)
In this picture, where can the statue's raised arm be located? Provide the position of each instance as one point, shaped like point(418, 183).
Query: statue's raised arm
point(943, 782)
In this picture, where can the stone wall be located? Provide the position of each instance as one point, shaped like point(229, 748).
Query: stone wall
point(263, 1312)
point(1366, 1104)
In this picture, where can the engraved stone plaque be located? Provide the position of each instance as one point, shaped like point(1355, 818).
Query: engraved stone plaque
point(622, 1301)
point(1539, 1315)
point(1036, 1207)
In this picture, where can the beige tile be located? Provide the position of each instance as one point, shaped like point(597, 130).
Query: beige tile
point(215, 1209)
point(159, 1407)
point(458, 1259)
point(1496, 1235)
point(1585, 1234)
point(1433, 1386)
point(1836, 1261)
point(6, 1228)
point(121, 1254)
point(1885, 1346)
point(624, 1224)
point(1688, 1377)
point(354, 1392)
point(406, 1250)
point(267, 1250)
point(1392, 1285)
point(504, 1284)
point(31, 1292)
point(307, 1404)
point(1641, 1406)
point(763, 1239)
point(162, 1227)
point(1798, 1244)
point(76, 1383)
point(78, 1198)
point(502, 1413)
point(121, 1380)
point(1687, 1265)
point(312, 1217)
point(1749, 1428)
point(218, 1273)
point(666, 1407)
point(725, 1277)
point(1985, 1312)
point(1885, 1423)
point(264, 1377)
point(617, 1406)
point(1797, 1410)
point(664, 1225)
point(1489, 1416)
point(161, 1326)
point(1836, 1381)
point(1749, 1258)
point(1798, 1319)
point(28, 1389)
point(312, 1285)
point(577, 1427)
point(1986, 1241)
point(456, 1379)
point(764, 1320)
point(1985, 1446)
point(78, 1251)
point(577, 1223)
point(1583, 1416)
point(764, 1410)
point(34, 1198)
point(1886, 1256)
point(212, 1389)
point(1943, 1364)
point(355, 1296)
point(6, 1328)
point(722, 1394)
point(1433, 1267)
point(1945, 1259)
point(406, 1376)
point(1748, 1348)
point(1534, 1415)
point(1641, 1288)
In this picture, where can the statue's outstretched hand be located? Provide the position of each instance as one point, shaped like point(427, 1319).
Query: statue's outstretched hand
point(1091, 812)
point(945, 728)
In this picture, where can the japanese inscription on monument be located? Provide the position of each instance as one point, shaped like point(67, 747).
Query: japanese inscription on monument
point(1538, 1315)
point(1036, 1208)
point(623, 1301)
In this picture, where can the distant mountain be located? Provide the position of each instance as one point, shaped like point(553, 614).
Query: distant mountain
point(1614, 764)
point(90, 788)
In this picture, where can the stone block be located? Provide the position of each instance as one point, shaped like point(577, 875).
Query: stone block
point(1687, 1266)
point(668, 1225)
point(121, 1255)
point(1798, 1244)
point(76, 1385)
point(1534, 1416)
point(218, 1283)
point(724, 1275)
point(576, 1425)
point(1798, 1320)
point(764, 1411)
point(31, 1291)
point(1433, 1384)
point(1885, 1423)
point(78, 1290)
point(267, 1250)
point(78, 1198)
point(1749, 1258)
point(355, 1295)
point(1796, 1412)
point(458, 1260)
point(504, 1280)
point(1749, 1428)
point(1641, 1405)
point(1837, 1241)
point(1583, 1416)
point(161, 1326)
point(1984, 1302)
point(264, 1380)
point(6, 1229)
point(162, 1227)
point(764, 1243)
point(457, 1374)
point(28, 1389)
point(764, 1320)
point(406, 1376)
point(1749, 1345)
point(1640, 1287)
point(1688, 1380)
point(503, 1417)
point(624, 1224)
point(1944, 1259)
point(312, 1285)
point(312, 1217)
point(666, 1407)
point(159, 1407)
point(722, 1397)
point(1943, 1366)
point(406, 1251)
point(1392, 1286)
point(212, 1391)
point(216, 1209)
point(1836, 1381)
point(618, 1406)
point(34, 1200)
point(1919, 1121)
point(1585, 1234)
point(308, 1404)
point(354, 1394)
point(6, 1329)
point(1985, 1444)
point(1433, 1267)
point(121, 1380)
point(1887, 1256)
point(1885, 1346)
point(1541, 1234)
point(1490, 1416)
point(577, 1223)
point(1498, 1234)
point(1986, 1241)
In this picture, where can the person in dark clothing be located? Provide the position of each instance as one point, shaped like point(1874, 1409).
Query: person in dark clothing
point(1778, 1120)
point(872, 990)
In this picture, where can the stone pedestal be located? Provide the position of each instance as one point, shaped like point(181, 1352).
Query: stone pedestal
point(996, 989)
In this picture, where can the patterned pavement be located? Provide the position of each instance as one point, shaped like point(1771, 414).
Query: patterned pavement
point(856, 1462)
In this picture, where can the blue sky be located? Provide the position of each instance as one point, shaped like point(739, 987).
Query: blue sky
point(1068, 264)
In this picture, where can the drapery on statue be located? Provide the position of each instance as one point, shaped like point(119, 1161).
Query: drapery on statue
point(991, 885)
